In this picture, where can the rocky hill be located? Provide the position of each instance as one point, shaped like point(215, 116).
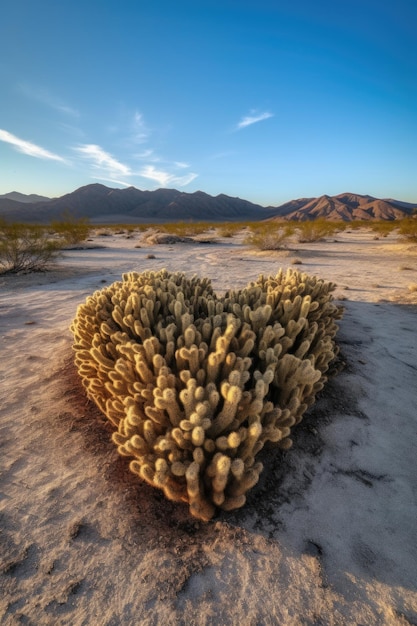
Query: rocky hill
point(346, 207)
point(101, 205)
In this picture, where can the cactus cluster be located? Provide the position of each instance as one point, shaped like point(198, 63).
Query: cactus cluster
point(195, 384)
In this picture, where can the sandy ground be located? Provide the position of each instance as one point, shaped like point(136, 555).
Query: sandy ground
point(327, 537)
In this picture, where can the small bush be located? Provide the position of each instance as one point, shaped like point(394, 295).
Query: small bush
point(408, 228)
point(315, 230)
point(71, 229)
point(25, 248)
point(269, 235)
point(230, 229)
point(384, 227)
point(185, 229)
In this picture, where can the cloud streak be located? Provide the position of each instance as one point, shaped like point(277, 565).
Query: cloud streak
point(29, 148)
point(140, 131)
point(100, 159)
point(45, 97)
point(253, 119)
point(164, 178)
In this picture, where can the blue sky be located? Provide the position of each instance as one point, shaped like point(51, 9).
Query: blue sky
point(269, 100)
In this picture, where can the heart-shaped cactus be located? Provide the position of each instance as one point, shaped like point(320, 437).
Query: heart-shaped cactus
point(195, 384)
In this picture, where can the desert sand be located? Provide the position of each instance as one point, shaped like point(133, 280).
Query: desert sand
point(327, 537)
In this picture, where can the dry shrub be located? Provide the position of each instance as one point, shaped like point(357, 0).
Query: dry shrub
point(269, 235)
point(316, 230)
point(408, 228)
point(26, 248)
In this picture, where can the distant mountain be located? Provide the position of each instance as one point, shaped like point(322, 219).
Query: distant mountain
point(104, 205)
point(22, 197)
point(345, 207)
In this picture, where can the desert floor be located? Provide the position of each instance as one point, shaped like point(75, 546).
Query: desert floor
point(327, 537)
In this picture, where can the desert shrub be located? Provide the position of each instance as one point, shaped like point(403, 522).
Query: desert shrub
point(25, 247)
point(269, 235)
point(72, 230)
point(383, 227)
point(185, 229)
point(315, 230)
point(407, 228)
point(230, 229)
point(358, 224)
point(194, 384)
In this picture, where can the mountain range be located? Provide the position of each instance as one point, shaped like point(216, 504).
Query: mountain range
point(101, 205)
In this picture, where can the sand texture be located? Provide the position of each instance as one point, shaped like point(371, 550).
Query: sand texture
point(327, 537)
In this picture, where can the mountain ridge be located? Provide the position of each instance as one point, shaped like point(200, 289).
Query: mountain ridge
point(102, 204)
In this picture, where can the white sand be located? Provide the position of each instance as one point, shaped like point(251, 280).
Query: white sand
point(328, 536)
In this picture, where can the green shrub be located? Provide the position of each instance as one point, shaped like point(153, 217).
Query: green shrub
point(25, 248)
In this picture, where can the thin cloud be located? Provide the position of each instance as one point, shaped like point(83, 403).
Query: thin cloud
point(140, 132)
point(147, 155)
point(99, 158)
point(164, 178)
point(112, 180)
point(253, 119)
point(50, 100)
point(26, 147)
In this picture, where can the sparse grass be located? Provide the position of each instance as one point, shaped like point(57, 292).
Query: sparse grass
point(185, 229)
point(358, 224)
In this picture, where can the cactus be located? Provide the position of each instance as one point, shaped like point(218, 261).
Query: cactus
point(195, 384)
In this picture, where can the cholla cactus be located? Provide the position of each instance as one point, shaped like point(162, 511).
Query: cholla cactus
point(194, 384)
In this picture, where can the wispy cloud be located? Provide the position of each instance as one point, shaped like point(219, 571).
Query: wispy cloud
point(26, 147)
point(164, 178)
point(100, 159)
point(46, 97)
point(140, 131)
point(253, 119)
point(222, 155)
point(147, 155)
point(112, 180)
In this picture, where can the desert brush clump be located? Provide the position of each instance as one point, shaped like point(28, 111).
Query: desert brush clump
point(195, 384)
point(269, 235)
point(26, 247)
point(311, 231)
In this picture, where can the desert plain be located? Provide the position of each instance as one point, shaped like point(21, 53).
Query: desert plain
point(328, 537)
